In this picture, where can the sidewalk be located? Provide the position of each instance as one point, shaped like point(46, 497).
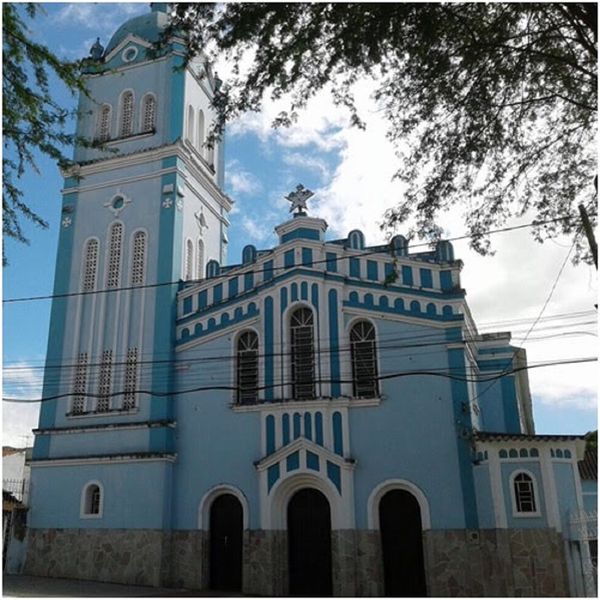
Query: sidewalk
point(26, 586)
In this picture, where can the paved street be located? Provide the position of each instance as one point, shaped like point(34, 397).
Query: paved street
point(25, 586)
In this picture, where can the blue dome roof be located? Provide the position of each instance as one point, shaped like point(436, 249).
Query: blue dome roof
point(148, 27)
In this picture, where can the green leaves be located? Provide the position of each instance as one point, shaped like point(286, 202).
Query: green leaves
point(497, 101)
point(32, 121)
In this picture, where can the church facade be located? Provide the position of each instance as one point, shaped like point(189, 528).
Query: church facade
point(318, 418)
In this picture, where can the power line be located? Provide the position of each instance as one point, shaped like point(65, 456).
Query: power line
point(314, 381)
point(229, 273)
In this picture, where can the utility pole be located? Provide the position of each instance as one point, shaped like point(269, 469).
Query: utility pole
point(589, 232)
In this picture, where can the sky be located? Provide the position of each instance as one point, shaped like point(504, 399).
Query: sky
point(351, 172)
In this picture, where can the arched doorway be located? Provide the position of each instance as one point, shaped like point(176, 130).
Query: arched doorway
point(309, 544)
point(402, 544)
point(226, 529)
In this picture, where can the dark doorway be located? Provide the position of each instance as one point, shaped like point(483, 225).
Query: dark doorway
point(402, 544)
point(226, 527)
point(309, 544)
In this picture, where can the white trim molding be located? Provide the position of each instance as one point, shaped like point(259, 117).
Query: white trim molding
point(212, 494)
point(396, 484)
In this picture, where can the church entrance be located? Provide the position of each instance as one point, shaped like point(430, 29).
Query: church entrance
point(402, 544)
point(226, 530)
point(309, 544)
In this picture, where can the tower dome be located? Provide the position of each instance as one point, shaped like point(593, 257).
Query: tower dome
point(148, 27)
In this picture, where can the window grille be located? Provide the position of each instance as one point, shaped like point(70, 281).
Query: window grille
point(189, 260)
point(303, 354)
point(114, 256)
point(90, 266)
point(93, 497)
point(247, 368)
point(200, 263)
point(130, 384)
point(148, 113)
point(364, 360)
point(524, 493)
point(103, 125)
point(79, 384)
point(139, 257)
point(104, 381)
point(126, 114)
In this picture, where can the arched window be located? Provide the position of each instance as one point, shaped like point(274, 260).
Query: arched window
point(126, 126)
point(190, 124)
point(189, 261)
point(200, 260)
point(364, 360)
point(113, 271)
point(90, 266)
point(200, 138)
point(103, 125)
point(79, 384)
point(92, 500)
point(130, 383)
point(302, 354)
point(524, 494)
point(139, 258)
point(104, 382)
point(148, 113)
point(247, 368)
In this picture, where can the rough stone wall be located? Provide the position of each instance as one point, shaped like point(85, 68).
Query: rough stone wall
point(369, 564)
point(495, 562)
point(265, 563)
point(185, 560)
point(113, 555)
point(343, 562)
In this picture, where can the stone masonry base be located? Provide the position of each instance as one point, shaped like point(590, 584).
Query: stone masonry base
point(492, 562)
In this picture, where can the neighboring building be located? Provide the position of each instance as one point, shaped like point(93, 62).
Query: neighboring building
point(321, 418)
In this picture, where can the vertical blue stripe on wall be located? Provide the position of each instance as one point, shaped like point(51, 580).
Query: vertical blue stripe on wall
point(308, 426)
point(269, 348)
point(338, 442)
point(272, 475)
point(283, 299)
point(217, 293)
point(307, 257)
point(509, 404)
point(312, 460)
point(233, 287)
point(270, 434)
point(334, 474)
point(372, 270)
point(446, 280)
point(314, 296)
point(288, 258)
point(203, 299)
point(407, 275)
point(294, 292)
point(319, 428)
point(334, 355)
point(331, 258)
point(58, 316)
point(354, 267)
point(248, 281)
point(268, 270)
point(176, 100)
point(297, 425)
point(293, 461)
point(187, 305)
point(304, 290)
point(389, 272)
point(426, 279)
point(285, 429)
point(462, 418)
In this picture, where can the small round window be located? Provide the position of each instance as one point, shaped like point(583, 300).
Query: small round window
point(129, 53)
point(118, 202)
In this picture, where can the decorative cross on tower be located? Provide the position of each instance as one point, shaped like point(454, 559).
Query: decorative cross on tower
point(298, 199)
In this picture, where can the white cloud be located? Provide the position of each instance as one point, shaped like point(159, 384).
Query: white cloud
point(256, 229)
point(243, 182)
point(310, 163)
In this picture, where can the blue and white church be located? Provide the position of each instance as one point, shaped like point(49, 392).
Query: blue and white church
point(320, 418)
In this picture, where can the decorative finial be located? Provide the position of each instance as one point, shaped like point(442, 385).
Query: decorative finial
point(298, 199)
point(97, 50)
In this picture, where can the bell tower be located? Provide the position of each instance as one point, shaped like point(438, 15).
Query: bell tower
point(143, 210)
